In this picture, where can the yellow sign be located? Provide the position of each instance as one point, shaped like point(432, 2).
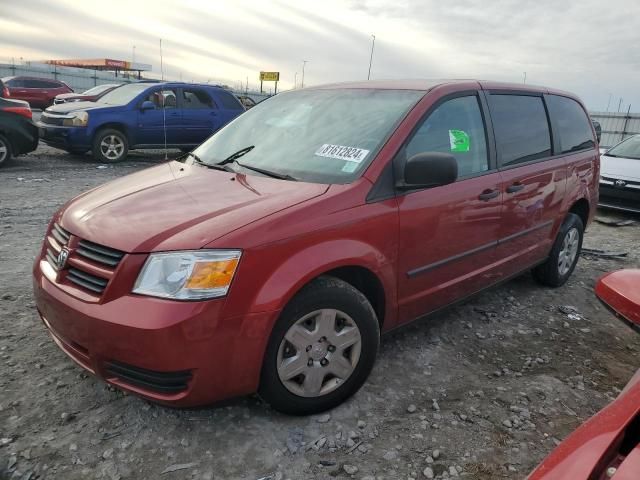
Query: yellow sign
point(269, 76)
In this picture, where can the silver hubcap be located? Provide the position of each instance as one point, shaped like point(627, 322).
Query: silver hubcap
point(569, 251)
point(3, 151)
point(319, 352)
point(112, 147)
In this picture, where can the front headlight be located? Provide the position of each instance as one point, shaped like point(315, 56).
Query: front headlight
point(77, 119)
point(188, 275)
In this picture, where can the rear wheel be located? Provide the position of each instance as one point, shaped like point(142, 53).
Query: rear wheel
point(5, 150)
point(110, 146)
point(564, 253)
point(322, 348)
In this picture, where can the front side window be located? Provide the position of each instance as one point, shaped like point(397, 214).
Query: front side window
point(455, 127)
point(574, 127)
point(320, 136)
point(630, 148)
point(165, 98)
point(521, 128)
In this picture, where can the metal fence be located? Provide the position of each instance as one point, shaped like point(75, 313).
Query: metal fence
point(81, 79)
point(616, 126)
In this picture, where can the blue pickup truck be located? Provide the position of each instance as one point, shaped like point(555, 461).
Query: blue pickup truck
point(138, 116)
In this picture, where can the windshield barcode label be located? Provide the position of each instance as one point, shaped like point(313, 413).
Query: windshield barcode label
point(349, 154)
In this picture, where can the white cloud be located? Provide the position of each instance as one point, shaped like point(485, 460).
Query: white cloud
point(587, 47)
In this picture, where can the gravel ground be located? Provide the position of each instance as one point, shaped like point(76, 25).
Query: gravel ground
point(483, 390)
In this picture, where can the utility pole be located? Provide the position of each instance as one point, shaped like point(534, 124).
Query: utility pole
point(524, 80)
point(304, 62)
point(609, 102)
point(619, 104)
point(373, 44)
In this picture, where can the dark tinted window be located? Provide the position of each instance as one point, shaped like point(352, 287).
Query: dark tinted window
point(228, 100)
point(196, 99)
point(15, 83)
point(455, 127)
point(32, 83)
point(521, 128)
point(572, 122)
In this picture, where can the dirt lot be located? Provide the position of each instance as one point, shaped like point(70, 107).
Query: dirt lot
point(484, 390)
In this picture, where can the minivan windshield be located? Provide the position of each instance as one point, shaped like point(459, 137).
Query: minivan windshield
point(124, 94)
point(630, 148)
point(98, 89)
point(319, 136)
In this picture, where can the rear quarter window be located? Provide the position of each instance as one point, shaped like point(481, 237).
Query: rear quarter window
point(521, 128)
point(572, 124)
point(228, 101)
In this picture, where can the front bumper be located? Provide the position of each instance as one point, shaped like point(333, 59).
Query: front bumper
point(67, 138)
point(625, 198)
point(175, 353)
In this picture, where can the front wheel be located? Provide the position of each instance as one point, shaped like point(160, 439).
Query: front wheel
point(110, 146)
point(322, 348)
point(564, 253)
point(5, 150)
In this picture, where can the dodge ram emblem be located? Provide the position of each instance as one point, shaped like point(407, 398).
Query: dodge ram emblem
point(61, 261)
point(620, 183)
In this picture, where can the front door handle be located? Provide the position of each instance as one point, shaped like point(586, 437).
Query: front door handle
point(516, 187)
point(488, 195)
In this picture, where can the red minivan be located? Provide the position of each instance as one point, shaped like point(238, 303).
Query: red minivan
point(275, 255)
point(38, 92)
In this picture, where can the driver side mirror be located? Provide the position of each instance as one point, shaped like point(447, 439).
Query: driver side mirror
point(598, 128)
point(429, 169)
point(147, 105)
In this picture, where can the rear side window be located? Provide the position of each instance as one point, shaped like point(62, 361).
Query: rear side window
point(229, 101)
point(574, 128)
point(196, 99)
point(521, 128)
point(455, 127)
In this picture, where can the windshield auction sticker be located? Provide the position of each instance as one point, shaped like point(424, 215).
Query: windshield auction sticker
point(348, 154)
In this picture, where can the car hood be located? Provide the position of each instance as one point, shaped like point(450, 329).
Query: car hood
point(620, 168)
point(63, 108)
point(175, 206)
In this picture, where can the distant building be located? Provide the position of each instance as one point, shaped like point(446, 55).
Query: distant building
point(107, 64)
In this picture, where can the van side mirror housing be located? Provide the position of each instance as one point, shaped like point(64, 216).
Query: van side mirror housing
point(429, 169)
point(147, 105)
point(598, 128)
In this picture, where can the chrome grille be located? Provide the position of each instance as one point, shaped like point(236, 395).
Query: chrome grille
point(86, 280)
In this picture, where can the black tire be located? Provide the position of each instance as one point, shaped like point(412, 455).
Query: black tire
point(6, 152)
point(115, 137)
point(323, 293)
point(549, 273)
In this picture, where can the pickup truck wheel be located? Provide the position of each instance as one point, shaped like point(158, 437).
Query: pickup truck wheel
point(564, 253)
point(5, 150)
point(110, 146)
point(321, 350)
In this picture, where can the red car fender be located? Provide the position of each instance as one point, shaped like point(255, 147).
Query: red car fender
point(305, 265)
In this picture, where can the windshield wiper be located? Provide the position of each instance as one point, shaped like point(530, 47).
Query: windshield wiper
point(238, 154)
point(268, 173)
point(215, 166)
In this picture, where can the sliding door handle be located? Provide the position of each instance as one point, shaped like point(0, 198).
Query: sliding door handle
point(516, 187)
point(488, 195)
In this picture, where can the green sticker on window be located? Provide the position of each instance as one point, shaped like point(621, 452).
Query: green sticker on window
point(459, 141)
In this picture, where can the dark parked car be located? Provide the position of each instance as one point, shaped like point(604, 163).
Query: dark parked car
point(18, 134)
point(275, 255)
point(620, 176)
point(91, 95)
point(38, 92)
point(137, 116)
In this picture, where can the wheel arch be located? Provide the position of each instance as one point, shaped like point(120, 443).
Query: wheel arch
point(581, 208)
point(116, 126)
